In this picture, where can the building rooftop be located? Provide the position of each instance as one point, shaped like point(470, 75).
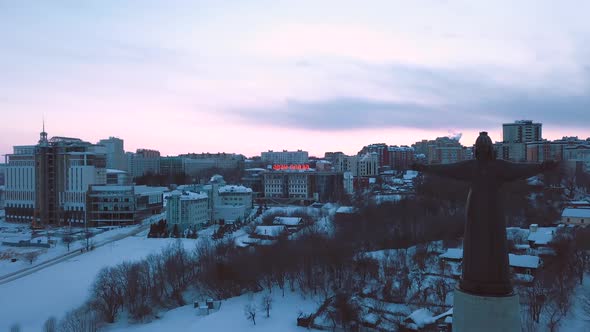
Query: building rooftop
point(526, 261)
point(115, 171)
point(273, 231)
point(189, 195)
point(234, 189)
point(288, 221)
point(145, 190)
point(345, 209)
point(452, 253)
point(110, 188)
point(542, 236)
point(576, 213)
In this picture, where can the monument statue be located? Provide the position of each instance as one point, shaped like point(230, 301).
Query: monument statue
point(485, 251)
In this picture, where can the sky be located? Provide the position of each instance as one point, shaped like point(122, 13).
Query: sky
point(249, 76)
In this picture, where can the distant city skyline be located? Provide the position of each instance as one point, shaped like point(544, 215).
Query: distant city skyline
point(466, 138)
point(246, 77)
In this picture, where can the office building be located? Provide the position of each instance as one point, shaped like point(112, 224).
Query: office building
point(115, 153)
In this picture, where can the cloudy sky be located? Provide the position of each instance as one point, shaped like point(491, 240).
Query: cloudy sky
point(247, 76)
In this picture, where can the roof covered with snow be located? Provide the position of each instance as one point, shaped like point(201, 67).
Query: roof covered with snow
point(145, 190)
point(542, 236)
point(345, 209)
point(274, 231)
point(526, 261)
point(115, 171)
point(452, 253)
point(288, 221)
point(189, 195)
point(409, 175)
point(234, 189)
point(576, 213)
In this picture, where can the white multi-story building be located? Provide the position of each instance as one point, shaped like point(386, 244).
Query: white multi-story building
point(142, 162)
point(187, 210)
point(233, 203)
point(285, 157)
point(115, 153)
point(82, 171)
point(20, 196)
point(348, 183)
point(368, 165)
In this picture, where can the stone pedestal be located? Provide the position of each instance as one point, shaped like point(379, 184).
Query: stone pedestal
point(485, 313)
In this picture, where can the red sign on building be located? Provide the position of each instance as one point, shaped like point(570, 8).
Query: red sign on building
point(297, 167)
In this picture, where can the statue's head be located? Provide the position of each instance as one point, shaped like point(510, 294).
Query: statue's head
point(484, 148)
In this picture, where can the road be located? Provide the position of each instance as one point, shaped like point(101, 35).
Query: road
point(50, 262)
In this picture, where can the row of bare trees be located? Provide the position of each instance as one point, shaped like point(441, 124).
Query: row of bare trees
point(550, 297)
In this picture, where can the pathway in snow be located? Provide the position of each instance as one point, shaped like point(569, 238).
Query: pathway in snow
point(55, 260)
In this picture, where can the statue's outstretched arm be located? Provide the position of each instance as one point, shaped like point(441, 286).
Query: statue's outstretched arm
point(516, 171)
point(458, 171)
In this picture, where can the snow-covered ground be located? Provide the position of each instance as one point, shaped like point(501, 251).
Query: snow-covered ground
point(578, 319)
point(11, 232)
point(231, 317)
point(53, 291)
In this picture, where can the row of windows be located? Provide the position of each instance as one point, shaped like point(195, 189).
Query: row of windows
point(20, 178)
point(20, 195)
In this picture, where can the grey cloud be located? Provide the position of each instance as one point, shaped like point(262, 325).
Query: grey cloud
point(469, 100)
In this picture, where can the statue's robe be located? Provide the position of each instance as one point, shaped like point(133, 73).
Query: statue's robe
point(485, 251)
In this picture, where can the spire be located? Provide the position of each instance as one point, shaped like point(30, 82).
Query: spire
point(43, 135)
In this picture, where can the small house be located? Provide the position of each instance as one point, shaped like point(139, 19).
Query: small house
point(577, 215)
point(293, 224)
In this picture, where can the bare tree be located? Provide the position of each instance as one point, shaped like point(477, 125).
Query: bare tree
point(554, 315)
point(536, 297)
point(79, 320)
point(50, 325)
point(107, 293)
point(266, 303)
point(31, 256)
point(67, 240)
point(250, 312)
point(442, 289)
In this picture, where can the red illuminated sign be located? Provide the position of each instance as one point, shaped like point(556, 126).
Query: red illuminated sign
point(282, 167)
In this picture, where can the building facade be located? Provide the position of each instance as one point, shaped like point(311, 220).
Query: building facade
point(187, 210)
point(2, 189)
point(171, 165)
point(234, 203)
point(47, 183)
point(20, 189)
point(143, 162)
point(194, 163)
point(401, 157)
point(516, 135)
point(285, 157)
point(115, 153)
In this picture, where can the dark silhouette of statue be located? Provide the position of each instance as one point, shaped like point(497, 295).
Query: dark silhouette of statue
point(485, 251)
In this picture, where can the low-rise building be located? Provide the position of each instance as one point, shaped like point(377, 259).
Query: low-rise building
point(122, 204)
point(234, 203)
point(293, 224)
point(187, 210)
point(576, 216)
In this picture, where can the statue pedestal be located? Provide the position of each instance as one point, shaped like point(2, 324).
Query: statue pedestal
point(485, 313)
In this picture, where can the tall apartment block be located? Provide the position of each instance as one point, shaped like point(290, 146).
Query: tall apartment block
point(516, 135)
